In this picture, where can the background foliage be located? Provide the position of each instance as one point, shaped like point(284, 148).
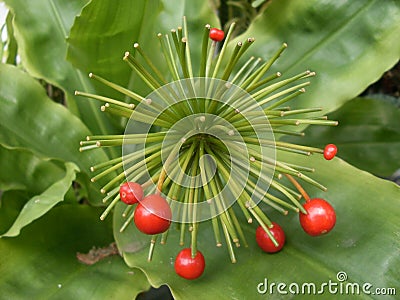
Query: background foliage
point(49, 208)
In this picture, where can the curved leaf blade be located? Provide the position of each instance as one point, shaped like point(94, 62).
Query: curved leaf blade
point(348, 43)
point(41, 29)
point(41, 204)
point(368, 221)
point(41, 263)
point(22, 170)
point(31, 120)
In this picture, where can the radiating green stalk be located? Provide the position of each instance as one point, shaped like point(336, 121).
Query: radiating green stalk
point(235, 57)
point(300, 168)
point(141, 71)
point(128, 221)
point(266, 66)
point(186, 200)
point(263, 225)
point(263, 82)
point(111, 194)
point(287, 132)
point(288, 195)
point(129, 106)
point(285, 99)
point(280, 202)
point(249, 71)
point(128, 209)
point(169, 58)
point(301, 111)
point(288, 189)
point(153, 159)
point(150, 63)
point(187, 48)
point(151, 248)
point(239, 229)
point(118, 88)
point(105, 164)
point(223, 215)
point(110, 207)
point(229, 243)
point(204, 48)
point(264, 101)
point(223, 49)
point(273, 87)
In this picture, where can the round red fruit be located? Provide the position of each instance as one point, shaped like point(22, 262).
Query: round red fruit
point(153, 215)
point(131, 192)
point(330, 151)
point(264, 241)
point(217, 34)
point(188, 267)
point(320, 217)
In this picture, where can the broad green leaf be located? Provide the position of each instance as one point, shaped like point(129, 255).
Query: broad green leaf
point(364, 244)
point(41, 263)
point(41, 28)
point(21, 169)
point(368, 135)
point(31, 120)
point(10, 55)
point(11, 203)
point(349, 44)
point(41, 204)
point(105, 30)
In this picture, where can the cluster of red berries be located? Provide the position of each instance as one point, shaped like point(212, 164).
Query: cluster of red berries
point(153, 216)
point(319, 220)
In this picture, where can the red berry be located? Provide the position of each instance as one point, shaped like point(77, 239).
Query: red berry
point(188, 267)
point(131, 192)
point(216, 34)
point(330, 151)
point(264, 241)
point(153, 215)
point(320, 217)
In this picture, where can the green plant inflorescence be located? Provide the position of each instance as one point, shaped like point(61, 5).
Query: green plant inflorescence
point(206, 142)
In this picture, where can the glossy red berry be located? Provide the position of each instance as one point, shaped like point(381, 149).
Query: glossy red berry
point(330, 151)
point(217, 34)
point(264, 241)
point(153, 215)
point(188, 267)
point(320, 217)
point(131, 192)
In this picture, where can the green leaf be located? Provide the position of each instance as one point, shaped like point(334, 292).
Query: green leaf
point(41, 30)
point(21, 169)
point(41, 263)
point(31, 120)
point(349, 44)
point(364, 244)
point(11, 203)
point(12, 47)
point(41, 204)
point(105, 30)
point(368, 135)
